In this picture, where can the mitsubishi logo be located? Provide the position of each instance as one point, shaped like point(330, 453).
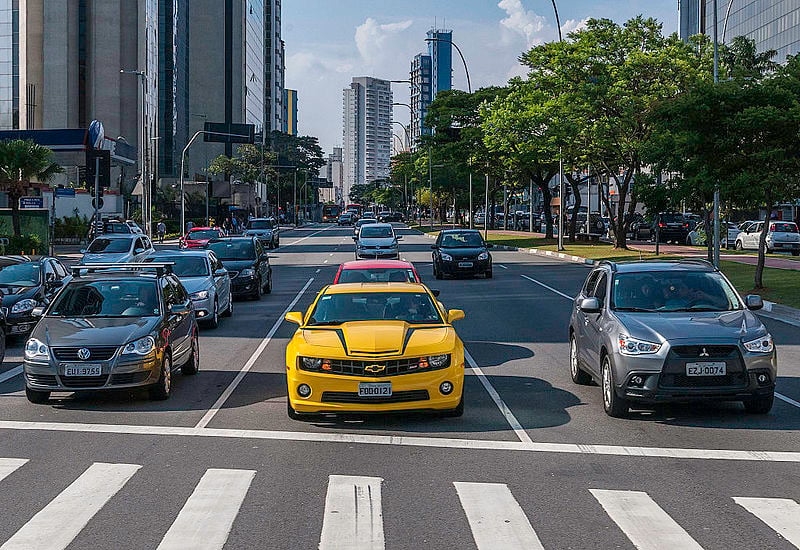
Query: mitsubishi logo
point(704, 353)
point(375, 368)
point(84, 354)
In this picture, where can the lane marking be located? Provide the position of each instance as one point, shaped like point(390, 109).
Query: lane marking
point(10, 465)
point(302, 239)
point(317, 271)
point(353, 518)
point(413, 441)
point(11, 373)
point(250, 362)
point(781, 514)
point(501, 266)
point(551, 289)
point(57, 524)
point(788, 400)
point(643, 521)
point(504, 410)
point(205, 521)
point(496, 518)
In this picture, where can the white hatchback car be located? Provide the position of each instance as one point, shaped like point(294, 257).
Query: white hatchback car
point(781, 236)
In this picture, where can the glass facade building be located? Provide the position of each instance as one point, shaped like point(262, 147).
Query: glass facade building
point(773, 24)
point(9, 64)
point(289, 112)
point(173, 88)
point(430, 74)
point(690, 18)
point(254, 64)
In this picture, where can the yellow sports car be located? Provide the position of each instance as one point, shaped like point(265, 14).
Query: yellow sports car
point(374, 348)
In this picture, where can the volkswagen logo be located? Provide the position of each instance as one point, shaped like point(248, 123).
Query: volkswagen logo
point(84, 354)
point(704, 353)
point(375, 368)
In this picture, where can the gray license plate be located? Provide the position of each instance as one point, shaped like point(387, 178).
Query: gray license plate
point(717, 368)
point(464, 264)
point(375, 389)
point(83, 370)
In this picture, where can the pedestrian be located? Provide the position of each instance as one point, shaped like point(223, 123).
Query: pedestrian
point(161, 228)
point(235, 225)
point(189, 226)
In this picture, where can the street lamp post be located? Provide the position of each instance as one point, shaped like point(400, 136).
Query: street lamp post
point(461, 55)
point(716, 236)
point(143, 152)
point(208, 184)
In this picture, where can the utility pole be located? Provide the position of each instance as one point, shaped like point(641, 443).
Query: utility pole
point(716, 235)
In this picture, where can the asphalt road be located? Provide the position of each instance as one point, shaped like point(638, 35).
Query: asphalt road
point(534, 462)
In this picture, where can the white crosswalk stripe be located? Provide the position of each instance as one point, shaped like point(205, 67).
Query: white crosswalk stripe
point(781, 514)
point(54, 527)
point(495, 517)
point(10, 465)
point(206, 519)
point(643, 521)
point(353, 517)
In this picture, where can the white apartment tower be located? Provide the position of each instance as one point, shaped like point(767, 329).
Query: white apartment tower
point(367, 132)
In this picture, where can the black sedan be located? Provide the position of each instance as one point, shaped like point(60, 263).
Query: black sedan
point(247, 262)
point(26, 284)
point(461, 252)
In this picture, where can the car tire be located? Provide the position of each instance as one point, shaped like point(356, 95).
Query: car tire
point(759, 405)
point(613, 404)
point(738, 245)
point(488, 274)
point(268, 288)
point(162, 389)
point(192, 365)
point(213, 322)
point(293, 414)
point(579, 376)
point(458, 411)
point(37, 396)
point(229, 311)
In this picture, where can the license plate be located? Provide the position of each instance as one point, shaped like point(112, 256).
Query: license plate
point(83, 370)
point(706, 369)
point(375, 389)
point(464, 264)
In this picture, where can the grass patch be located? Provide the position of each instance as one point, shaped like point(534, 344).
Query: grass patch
point(782, 285)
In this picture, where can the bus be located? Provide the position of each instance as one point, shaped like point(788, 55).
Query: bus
point(357, 207)
point(331, 213)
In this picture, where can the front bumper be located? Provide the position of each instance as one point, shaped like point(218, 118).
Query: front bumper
point(460, 267)
point(383, 254)
point(241, 286)
point(116, 373)
point(203, 309)
point(20, 324)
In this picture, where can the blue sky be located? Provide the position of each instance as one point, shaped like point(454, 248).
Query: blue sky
point(328, 42)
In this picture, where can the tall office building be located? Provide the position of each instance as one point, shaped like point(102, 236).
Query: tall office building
point(367, 132)
point(333, 171)
point(691, 18)
point(9, 64)
point(274, 64)
point(173, 85)
point(430, 73)
point(774, 25)
point(289, 112)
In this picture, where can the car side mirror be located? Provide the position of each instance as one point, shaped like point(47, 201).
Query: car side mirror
point(138, 250)
point(455, 315)
point(220, 272)
point(399, 237)
point(434, 247)
point(590, 305)
point(54, 284)
point(178, 308)
point(753, 302)
point(295, 317)
point(435, 292)
point(38, 311)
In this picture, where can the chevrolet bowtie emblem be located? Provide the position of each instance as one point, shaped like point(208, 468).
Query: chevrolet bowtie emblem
point(704, 353)
point(375, 368)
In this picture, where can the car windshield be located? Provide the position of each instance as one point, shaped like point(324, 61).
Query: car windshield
point(25, 274)
point(202, 234)
point(368, 232)
point(462, 240)
point(109, 246)
point(783, 227)
point(234, 249)
point(260, 224)
point(377, 275)
point(121, 298)
point(666, 291)
point(185, 266)
point(412, 307)
point(672, 218)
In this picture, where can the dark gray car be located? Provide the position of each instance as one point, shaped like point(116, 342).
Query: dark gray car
point(651, 332)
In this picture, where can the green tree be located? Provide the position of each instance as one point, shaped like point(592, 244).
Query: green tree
point(22, 161)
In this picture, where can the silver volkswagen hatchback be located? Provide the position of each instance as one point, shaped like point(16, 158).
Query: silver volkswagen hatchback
point(651, 332)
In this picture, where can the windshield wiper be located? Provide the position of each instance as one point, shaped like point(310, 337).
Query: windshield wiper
point(324, 323)
point(635, 309)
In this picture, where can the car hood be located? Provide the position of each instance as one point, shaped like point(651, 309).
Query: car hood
point(726, 325)
point(13, 294)
point(195, 284)
point(237, 265)
point(466, 252)
point(366, 338)
point(93, 331)
point(258, 232)
point(90, 258)
point(383, 241)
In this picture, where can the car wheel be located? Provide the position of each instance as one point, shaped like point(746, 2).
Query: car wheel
point(613, 404)
point(738, 245)
point(213, 322)
point(579, 376)
point(293, 414)
point(268, 288)
point(36, 396)
point(759, 405)
point(229, 311)
point(192, 365)
point(488, 274)
point(458, 411)
point(162, 389)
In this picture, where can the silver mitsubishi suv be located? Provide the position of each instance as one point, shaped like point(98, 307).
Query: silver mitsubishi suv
point(670, 331)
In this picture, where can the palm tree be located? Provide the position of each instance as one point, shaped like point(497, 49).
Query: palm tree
point(20, 162)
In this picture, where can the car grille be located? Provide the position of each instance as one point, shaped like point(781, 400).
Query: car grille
point(130, 377)
point(353, 397)
point(84, 381)
point(392, 368)
point(42, 379)
point(674, 372)
point(98, 353)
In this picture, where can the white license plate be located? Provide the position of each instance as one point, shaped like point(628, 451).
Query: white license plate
point(83, 370)
point(706, 369)
point(375, 389)
point(464, 264)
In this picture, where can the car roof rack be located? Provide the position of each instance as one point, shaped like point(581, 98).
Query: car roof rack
point(159, 267)
point(698, 261)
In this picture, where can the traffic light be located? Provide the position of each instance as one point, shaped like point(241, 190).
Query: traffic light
point(105, 167)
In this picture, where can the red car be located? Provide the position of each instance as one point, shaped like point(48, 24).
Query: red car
point(198, 237)
point(376, 271)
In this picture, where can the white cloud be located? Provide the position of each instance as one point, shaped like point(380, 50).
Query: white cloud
point(374, 39)
point(571, 25)
point(524, 22)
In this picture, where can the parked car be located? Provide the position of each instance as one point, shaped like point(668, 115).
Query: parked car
point(697, 236)
point(346, 219)
point(377, 241)
point(670, 227)
point(653, 332)
point(112, 326)
point(205, 279)
point(265, 230)
point(461, 252)
point(781, 236)
point(247, 263)
point(590, 224)
point(197, 237)
point(376, 271)
point(117, 248)
point(26, 284)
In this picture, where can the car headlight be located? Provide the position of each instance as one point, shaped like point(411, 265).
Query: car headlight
point(247, 272)
point(447, 257)
point(483, 256)
point(762, 344)
point(200, 295)
point(310, 363)
point(142, 346)
point(634, 346)
point(34, 349)
point(24, 305)
point(438, 361)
